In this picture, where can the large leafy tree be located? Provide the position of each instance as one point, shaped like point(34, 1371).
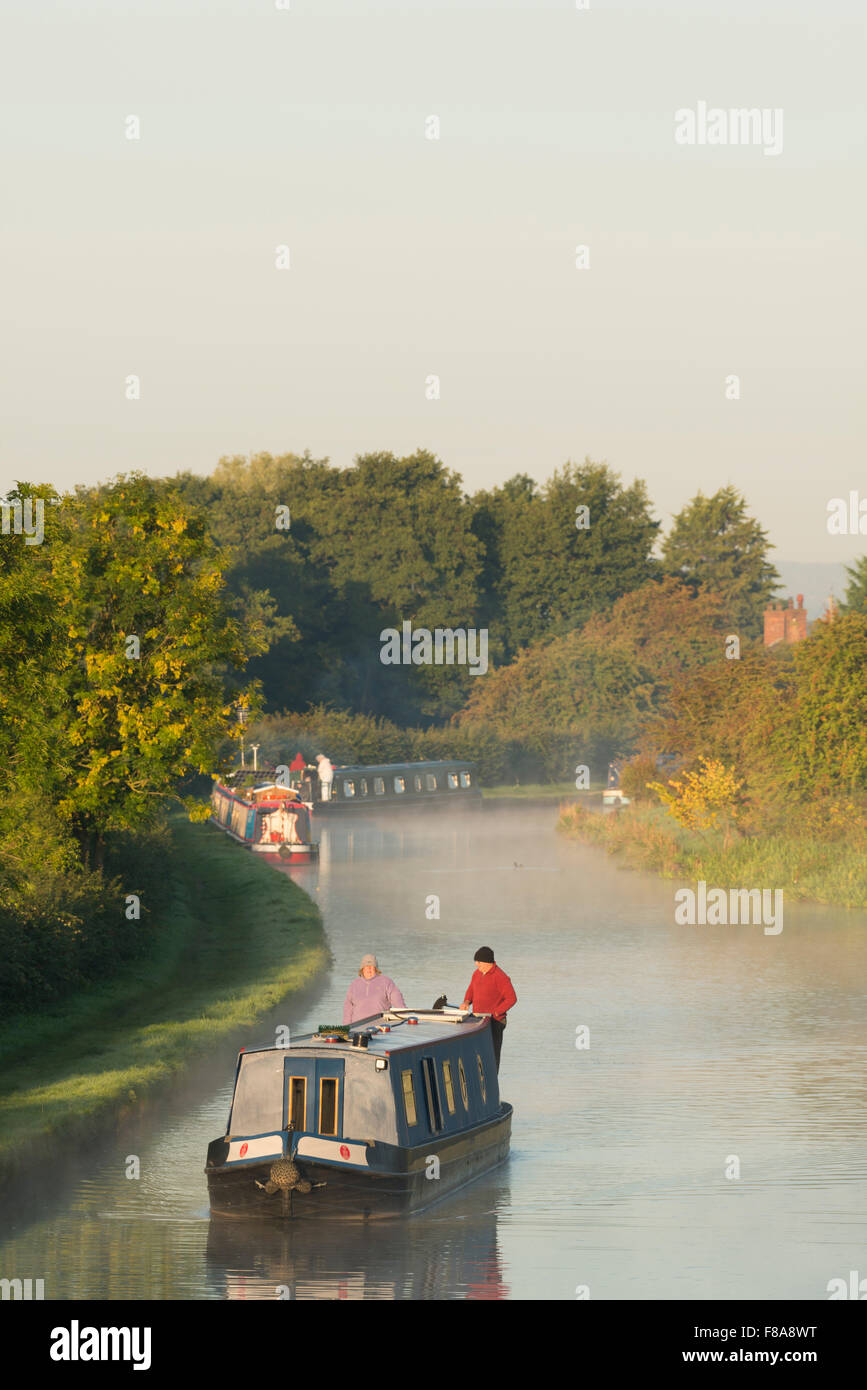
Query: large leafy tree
point(567, 550)
point(126, 644)
point(397, 537)
point(586, 693)
point(367, 547)
point(714, 543)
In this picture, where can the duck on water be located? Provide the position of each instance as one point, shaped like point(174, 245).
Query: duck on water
point(376, 1119)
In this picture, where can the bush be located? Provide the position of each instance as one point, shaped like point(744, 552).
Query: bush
point(635, 776)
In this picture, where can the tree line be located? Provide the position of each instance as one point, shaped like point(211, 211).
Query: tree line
point(397, 539)
point(155, 612)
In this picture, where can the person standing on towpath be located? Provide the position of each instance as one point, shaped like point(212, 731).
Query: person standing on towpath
point(490, 992)
point(371, 993)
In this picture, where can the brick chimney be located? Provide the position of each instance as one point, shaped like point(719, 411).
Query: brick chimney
point(775, 625)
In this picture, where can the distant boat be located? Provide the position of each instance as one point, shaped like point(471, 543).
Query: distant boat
point(378, 1119)
point(612, 795)
point(267, 818)
point(448, 782)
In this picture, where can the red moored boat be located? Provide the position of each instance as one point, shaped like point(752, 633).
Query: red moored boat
point(268, 819)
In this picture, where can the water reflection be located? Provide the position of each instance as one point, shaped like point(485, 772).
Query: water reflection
point(453, 1255)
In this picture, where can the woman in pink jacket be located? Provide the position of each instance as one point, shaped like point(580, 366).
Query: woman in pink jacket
point(371, 993)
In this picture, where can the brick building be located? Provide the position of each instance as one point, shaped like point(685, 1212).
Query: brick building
point(785, 623)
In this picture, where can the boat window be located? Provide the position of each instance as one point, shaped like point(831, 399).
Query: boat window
point(431, 1093)
point(379, 785)
point(462, 1077)
point(364, 786)
point(449, 1087)
point(400, 784)
point(418, 782)
point(257, 1107)
point(482, 1078)
point(466, 779)
point(430, 781)
point(453, 781)
point(409, 1098)
point(298, 1102)
point(348, 787)
point(328, 1105)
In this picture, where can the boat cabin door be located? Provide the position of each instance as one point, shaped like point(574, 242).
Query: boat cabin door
point(313, 1095)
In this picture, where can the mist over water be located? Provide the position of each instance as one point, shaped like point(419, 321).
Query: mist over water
point(705, 1043)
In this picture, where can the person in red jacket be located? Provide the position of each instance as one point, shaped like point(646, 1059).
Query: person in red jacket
point(490, 992)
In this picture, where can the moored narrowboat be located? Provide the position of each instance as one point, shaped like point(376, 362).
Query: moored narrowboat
point(377, 1119)
point(267, 818)
point(392, 786)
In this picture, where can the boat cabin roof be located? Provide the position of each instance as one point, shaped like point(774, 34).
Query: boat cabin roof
point(397, 1030)
point(402, 767)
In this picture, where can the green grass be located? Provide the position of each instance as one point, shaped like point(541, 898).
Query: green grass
point(235, 940)
point(832, 871)
point(554, 791)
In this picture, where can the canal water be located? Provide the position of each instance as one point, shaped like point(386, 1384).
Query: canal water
point(689, 1102)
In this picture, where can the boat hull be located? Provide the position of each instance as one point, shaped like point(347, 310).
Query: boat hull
point(293, 854)
point(395, 1182)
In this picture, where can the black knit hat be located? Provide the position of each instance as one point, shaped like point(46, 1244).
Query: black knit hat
point(486, 954)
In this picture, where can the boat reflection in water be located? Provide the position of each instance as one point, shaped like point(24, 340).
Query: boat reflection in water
point(451, 1252)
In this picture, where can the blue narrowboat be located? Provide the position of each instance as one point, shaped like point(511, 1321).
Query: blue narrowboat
point(448, 782)
point(373, 1120)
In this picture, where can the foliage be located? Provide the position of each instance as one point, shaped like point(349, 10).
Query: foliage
point(636, 776)
point(714, 543)
point(582, 697)
point(855, 597)
point(702, 799)
point(96, 733)
point(548, 574)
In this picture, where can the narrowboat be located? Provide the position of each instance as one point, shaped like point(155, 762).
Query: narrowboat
point(268, 818)
point(449, 782)
point(372, 1120)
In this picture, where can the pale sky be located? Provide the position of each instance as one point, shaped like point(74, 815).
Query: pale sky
point(455, 257)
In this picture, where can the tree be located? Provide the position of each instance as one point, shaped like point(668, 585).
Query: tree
point(714, 544)
point(855, 598)
point(147, 637)
point(569, 550)
point(825, 742)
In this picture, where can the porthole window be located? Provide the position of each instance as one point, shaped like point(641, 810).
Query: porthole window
point(482, 1079)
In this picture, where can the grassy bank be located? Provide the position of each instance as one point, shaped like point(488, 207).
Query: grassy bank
point(830, 871)
point(235, 939)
